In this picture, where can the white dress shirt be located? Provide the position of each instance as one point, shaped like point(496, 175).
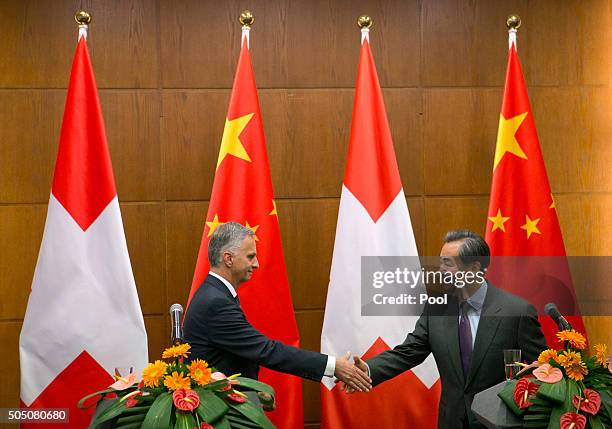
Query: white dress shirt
point(330, 368)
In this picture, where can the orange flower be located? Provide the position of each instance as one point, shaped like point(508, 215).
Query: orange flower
point(547, 355)
point(177, 381)
point(600, 353)
point(180, 350)
point(568, 358)
point(576, 339)
point(200, 372)
point(152, 374)
point(577, 371)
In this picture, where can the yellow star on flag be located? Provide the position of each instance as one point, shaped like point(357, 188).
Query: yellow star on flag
point(531, 226)
point(498, 221)
point(230, 142)
point(552, 205)
point(213, 225)
point(273, 212)
point(506, 140)
point(252, 228)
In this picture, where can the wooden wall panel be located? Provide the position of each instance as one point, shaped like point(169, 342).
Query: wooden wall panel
point(307, 136)
point(310, 324)
point(599, 329)
point(42, 38)
point(184, 226)
point(21, 229)
point(595, 38)
point(416, 208)
point(9, 388)
point(158, 335)
point(460, 130)
point(191, 128)
point(145, 234)
point(132, 129)
point(444, 214)
point(28, 143)
point(308, 228)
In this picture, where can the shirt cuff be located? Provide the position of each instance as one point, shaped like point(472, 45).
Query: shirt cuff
point(330, 368)
point(368, 367)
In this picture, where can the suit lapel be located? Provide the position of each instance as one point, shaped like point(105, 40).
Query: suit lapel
point(452, 338)
point(487, 327)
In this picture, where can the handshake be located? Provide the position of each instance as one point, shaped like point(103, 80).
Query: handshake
point(353, 375)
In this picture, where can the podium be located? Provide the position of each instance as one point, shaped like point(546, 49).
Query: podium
point(490, 410)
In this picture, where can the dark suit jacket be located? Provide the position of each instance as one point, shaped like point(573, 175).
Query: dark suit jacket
point(506, 322)
point(219, 333)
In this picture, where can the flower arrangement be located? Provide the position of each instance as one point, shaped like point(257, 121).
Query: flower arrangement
point(564, 389)
point(180, 395)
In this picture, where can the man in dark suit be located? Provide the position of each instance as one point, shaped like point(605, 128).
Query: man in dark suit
point(467, 336)
point(219, 332)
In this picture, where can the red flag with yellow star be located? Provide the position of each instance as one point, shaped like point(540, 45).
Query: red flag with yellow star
point(522, 221)
point(242, 192)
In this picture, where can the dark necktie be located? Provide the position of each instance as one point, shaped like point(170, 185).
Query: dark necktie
point(465, 338)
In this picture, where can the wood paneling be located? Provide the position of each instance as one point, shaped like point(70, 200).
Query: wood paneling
point(574, 129)
point(184, 226)
point(28, 143)
point(460, 129)
point(145, 235)
point(599, 330)
point(310, 324)
point(21, 229)
point(192, 127)
point(132, 129)
point(41, 38)
point(165, 70)
point(445, 214)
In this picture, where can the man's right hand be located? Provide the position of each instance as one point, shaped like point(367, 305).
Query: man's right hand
point(354, 377)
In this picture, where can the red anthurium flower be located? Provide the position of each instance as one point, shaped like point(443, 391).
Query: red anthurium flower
point(140, 385)
point(205, 425)
point(572, 421)
point(185, 399)
point(589, 403)
point(523, 390)
point(131, 402)
point(235, 397)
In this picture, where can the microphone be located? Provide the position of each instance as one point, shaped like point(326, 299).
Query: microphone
point(552, 310)
point(176, 315)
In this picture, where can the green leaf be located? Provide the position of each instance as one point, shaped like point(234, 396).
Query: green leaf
point(555, 418)
point(596, 422)
point(507, 396)
point(211, 406)
point(129, 426)
point(223, 424)
point(159, 414)
point(185, 420)
point(554, 392)
point(115, 409)
point(572, 389)
point(253, 413)
point(102, 393)
point(123, 420)
point(250, 384)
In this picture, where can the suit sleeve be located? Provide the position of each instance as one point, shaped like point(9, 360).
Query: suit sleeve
point(530, 337)
point(229, 330)
point(403, 357)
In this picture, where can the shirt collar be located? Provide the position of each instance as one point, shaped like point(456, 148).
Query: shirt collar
point(476, 301)
point(225, 282)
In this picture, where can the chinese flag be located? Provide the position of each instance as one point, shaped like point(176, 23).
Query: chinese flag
point(242, 192)
point(522, 221)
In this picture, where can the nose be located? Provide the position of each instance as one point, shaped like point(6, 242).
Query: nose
point(255, 264)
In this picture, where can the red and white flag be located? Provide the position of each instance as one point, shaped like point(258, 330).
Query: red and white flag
point(373, 221)
point(83, 317)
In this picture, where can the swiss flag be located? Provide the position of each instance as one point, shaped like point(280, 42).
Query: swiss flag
point(373, 221)
point(522, 227)
point(242, 192)
point(83, 317)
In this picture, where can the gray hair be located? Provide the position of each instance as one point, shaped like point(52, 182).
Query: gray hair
point(227, 237)
point(473, 247)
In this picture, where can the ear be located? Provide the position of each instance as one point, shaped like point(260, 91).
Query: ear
point(477, 266)
point(227, 258)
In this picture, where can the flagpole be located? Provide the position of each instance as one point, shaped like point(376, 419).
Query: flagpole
point(513, 23)
point(82, 18)
point(246, 19)
point(364, 22)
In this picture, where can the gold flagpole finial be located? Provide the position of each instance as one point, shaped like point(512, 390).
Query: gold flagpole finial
point(82, 17)
point(513, 22)
point(364, 21)
point(246, 18)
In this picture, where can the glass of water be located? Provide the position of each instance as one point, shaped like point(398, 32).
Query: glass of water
point(511, 359)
